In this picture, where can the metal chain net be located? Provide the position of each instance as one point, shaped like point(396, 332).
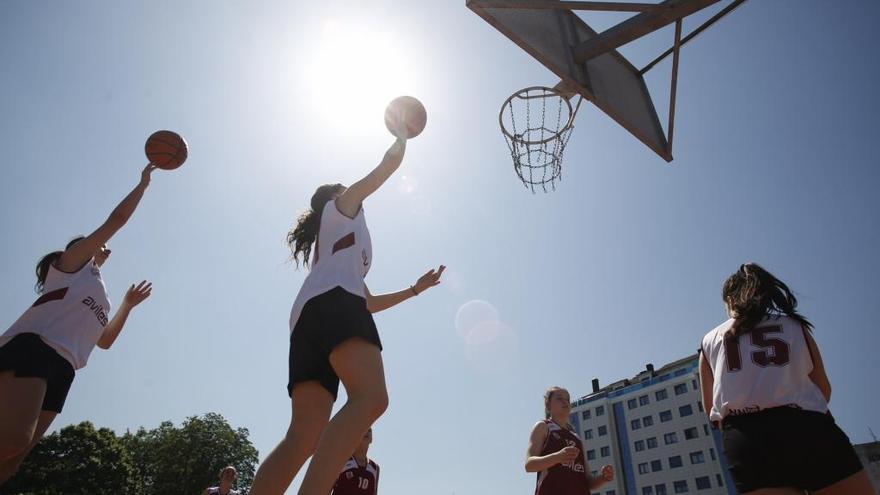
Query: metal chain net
point(536, 147)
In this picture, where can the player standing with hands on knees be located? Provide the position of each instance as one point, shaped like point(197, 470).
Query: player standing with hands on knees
point(40, 352)
point(762, 373)
point(556, 453)
point(333, 336)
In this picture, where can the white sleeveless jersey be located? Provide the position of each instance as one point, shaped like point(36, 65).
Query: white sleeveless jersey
point(767, 367)
point(343, 253)
point(70, 315)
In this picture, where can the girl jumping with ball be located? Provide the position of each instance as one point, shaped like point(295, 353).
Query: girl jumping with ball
point(556, 453)
point(40, 352)
point(333, 337)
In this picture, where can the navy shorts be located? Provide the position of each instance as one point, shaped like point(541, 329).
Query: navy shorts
point(785, 446)
point(326, 321)
point(27, 356)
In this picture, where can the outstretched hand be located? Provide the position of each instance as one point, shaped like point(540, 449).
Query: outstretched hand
point(137, 295)
point(429, 279)
point(145, 174)
point(607, 472)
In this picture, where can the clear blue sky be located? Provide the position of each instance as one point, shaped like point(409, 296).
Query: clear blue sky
point(775, 162)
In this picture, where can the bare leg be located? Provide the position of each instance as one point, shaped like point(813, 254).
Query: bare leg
point(358, 364)
point(20, 402)
point(9, 466)
point(311, 405)
point(857, 484)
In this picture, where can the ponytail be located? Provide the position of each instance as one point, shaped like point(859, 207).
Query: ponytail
point(301, 238)
point(50, 259)
point(753, 293)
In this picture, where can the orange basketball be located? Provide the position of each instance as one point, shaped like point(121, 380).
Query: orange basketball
point(407, 115)
point(166, 149)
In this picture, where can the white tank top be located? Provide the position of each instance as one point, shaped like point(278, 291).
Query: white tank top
point(69, 316)
point(343, 253)
point(767, 367)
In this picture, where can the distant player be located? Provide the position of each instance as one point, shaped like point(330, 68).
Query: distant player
point(227, 479)
point(557, 454)
point(40, 352)
point(333, 336)
point(360, 475)
point(762, 373)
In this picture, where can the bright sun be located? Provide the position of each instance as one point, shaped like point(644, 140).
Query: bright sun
point(354, 72)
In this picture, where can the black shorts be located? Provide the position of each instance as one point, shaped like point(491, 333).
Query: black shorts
point(27, 356)
point(784, 446)
point(326, 321)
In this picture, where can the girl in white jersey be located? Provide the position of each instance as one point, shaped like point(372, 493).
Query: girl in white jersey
point(333, 337)
point(40, 352)
point(763, 376)
point(227, 478)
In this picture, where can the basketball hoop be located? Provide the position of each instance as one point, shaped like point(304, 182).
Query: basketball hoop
point(537, 146)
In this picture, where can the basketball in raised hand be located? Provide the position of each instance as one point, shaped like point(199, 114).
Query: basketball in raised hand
point(166, 149)
point(405, 117)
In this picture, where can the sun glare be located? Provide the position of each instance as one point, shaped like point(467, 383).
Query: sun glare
point(354, 72)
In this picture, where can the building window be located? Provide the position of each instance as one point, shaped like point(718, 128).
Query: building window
point(691, 433)
point(660, 394)
point(648, 420)
point(600, 411)
point(591, 455)
point(718, 479)
point(700, 405)
point(640, 445)
point(647, 490)
point(652, 442)
point(643, 468)
point(681, 388)
point(611, 492)
point(685, 410)
point(680, 486)
point(659, 489)
point(665, 416)
point(632, 404)
point(635, 424)
point(675, 461)
point(643, 400)
point(670, 438)
point(697, 457)
point(712, 454)
point(694, 384)
point(703, 483)
point(585, 414)
point(603, 430)
point(656, 465)
point(706, 429)
point(588, 434)
point(605, 451)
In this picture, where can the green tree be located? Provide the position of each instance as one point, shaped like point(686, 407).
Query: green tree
point(186, 460)
point(78, 459)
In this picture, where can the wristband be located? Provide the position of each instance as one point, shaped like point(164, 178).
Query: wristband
point(413, 289)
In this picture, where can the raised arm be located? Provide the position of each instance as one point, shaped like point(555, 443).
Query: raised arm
point(384, 301)
point(535, 461)
point(350, 201)
point(133, 297)
point(74, 258)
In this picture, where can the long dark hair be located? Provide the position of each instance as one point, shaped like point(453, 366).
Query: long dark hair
point(301, 238)
point(47, 261)
point(752, 293)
